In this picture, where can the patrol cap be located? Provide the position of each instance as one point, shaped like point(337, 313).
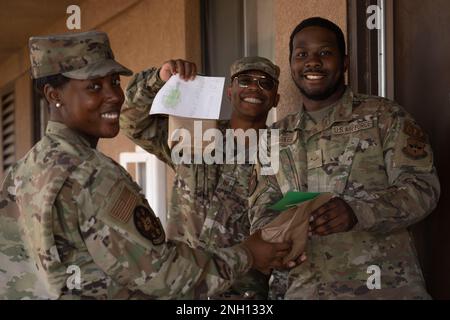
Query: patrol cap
point(80, 55)
point(255, 63)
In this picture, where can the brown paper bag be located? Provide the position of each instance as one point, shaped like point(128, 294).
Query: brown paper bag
point(293, 224)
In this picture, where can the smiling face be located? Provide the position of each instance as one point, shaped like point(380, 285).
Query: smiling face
point(317, 66)
point(252, 103)
point(90, 107)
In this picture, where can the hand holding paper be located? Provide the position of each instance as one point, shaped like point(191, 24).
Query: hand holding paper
point(199, 98)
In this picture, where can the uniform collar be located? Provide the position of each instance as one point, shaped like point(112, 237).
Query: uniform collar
point(341, 112)
point(61, 130)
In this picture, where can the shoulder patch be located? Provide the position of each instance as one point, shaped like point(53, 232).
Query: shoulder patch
point(415, 148)
point(148, 225)
point(124, 206)
point(416, 141)
point(413, 131)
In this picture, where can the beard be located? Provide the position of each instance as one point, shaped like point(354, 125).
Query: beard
point(324, 94)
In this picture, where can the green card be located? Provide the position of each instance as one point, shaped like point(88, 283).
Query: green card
point(292, 198)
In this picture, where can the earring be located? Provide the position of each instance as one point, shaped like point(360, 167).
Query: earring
point(58, 104)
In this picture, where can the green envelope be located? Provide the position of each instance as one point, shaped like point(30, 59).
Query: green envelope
point(292, 198)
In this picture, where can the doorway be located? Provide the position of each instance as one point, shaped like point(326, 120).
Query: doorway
point(422, 86)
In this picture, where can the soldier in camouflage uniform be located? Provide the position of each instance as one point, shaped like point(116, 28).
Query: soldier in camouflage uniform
point(73, 224)
point(209, 204)
point(367, 151)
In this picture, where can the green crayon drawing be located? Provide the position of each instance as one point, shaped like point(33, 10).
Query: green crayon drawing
point(172, 98)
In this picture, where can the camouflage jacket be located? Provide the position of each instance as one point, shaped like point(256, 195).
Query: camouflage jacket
point(80, 216)
point(370, 152)
point(209, 203)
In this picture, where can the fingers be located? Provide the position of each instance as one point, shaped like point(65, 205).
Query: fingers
point(277, 264)
point(323, 219)
point(282, 253)
point(300, 259)
point(303, 257)
point(333, 217)
point(293, 263)
point(333, 226)
point(179, 68)
point(326, 207)
point(185, 69)
point(284, 246)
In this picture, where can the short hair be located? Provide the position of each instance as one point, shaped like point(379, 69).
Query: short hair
point(56, 81)
point(323, 23)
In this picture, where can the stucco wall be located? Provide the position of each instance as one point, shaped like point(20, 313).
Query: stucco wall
point(287, 14)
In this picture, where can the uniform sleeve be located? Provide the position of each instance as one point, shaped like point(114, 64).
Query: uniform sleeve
point(126, 240)
point(265, 193)
point(149, 132)
point(414, 187)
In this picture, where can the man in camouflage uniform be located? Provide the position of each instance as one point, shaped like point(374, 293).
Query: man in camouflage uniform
point(367, 151)
point(73, 224)
point(209, 204)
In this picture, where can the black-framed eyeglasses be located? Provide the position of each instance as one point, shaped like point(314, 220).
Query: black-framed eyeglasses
point(265, 83)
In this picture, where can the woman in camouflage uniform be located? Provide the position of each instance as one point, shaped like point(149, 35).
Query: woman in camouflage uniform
point(73, 224)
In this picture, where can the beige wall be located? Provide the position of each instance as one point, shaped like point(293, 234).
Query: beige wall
point(288, 13)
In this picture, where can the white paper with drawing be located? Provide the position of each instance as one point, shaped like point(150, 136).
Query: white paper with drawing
point(199, 98)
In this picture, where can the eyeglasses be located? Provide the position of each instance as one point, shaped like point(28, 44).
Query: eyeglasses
point(265, 83)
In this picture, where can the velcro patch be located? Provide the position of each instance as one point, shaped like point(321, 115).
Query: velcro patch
point(413, 131)
point(415, 149)
point(148, 225)
point(352, 127)
point(124, 206)
point(287, 138)
point(315, 159)
point(412, 148)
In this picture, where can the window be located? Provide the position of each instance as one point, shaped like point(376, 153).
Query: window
point(232, 29)
point(151, 177)
point(371, 51)
point(7, 130)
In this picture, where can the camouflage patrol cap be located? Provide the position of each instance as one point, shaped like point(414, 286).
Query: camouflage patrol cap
point(81, 55)
point(255, 63)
